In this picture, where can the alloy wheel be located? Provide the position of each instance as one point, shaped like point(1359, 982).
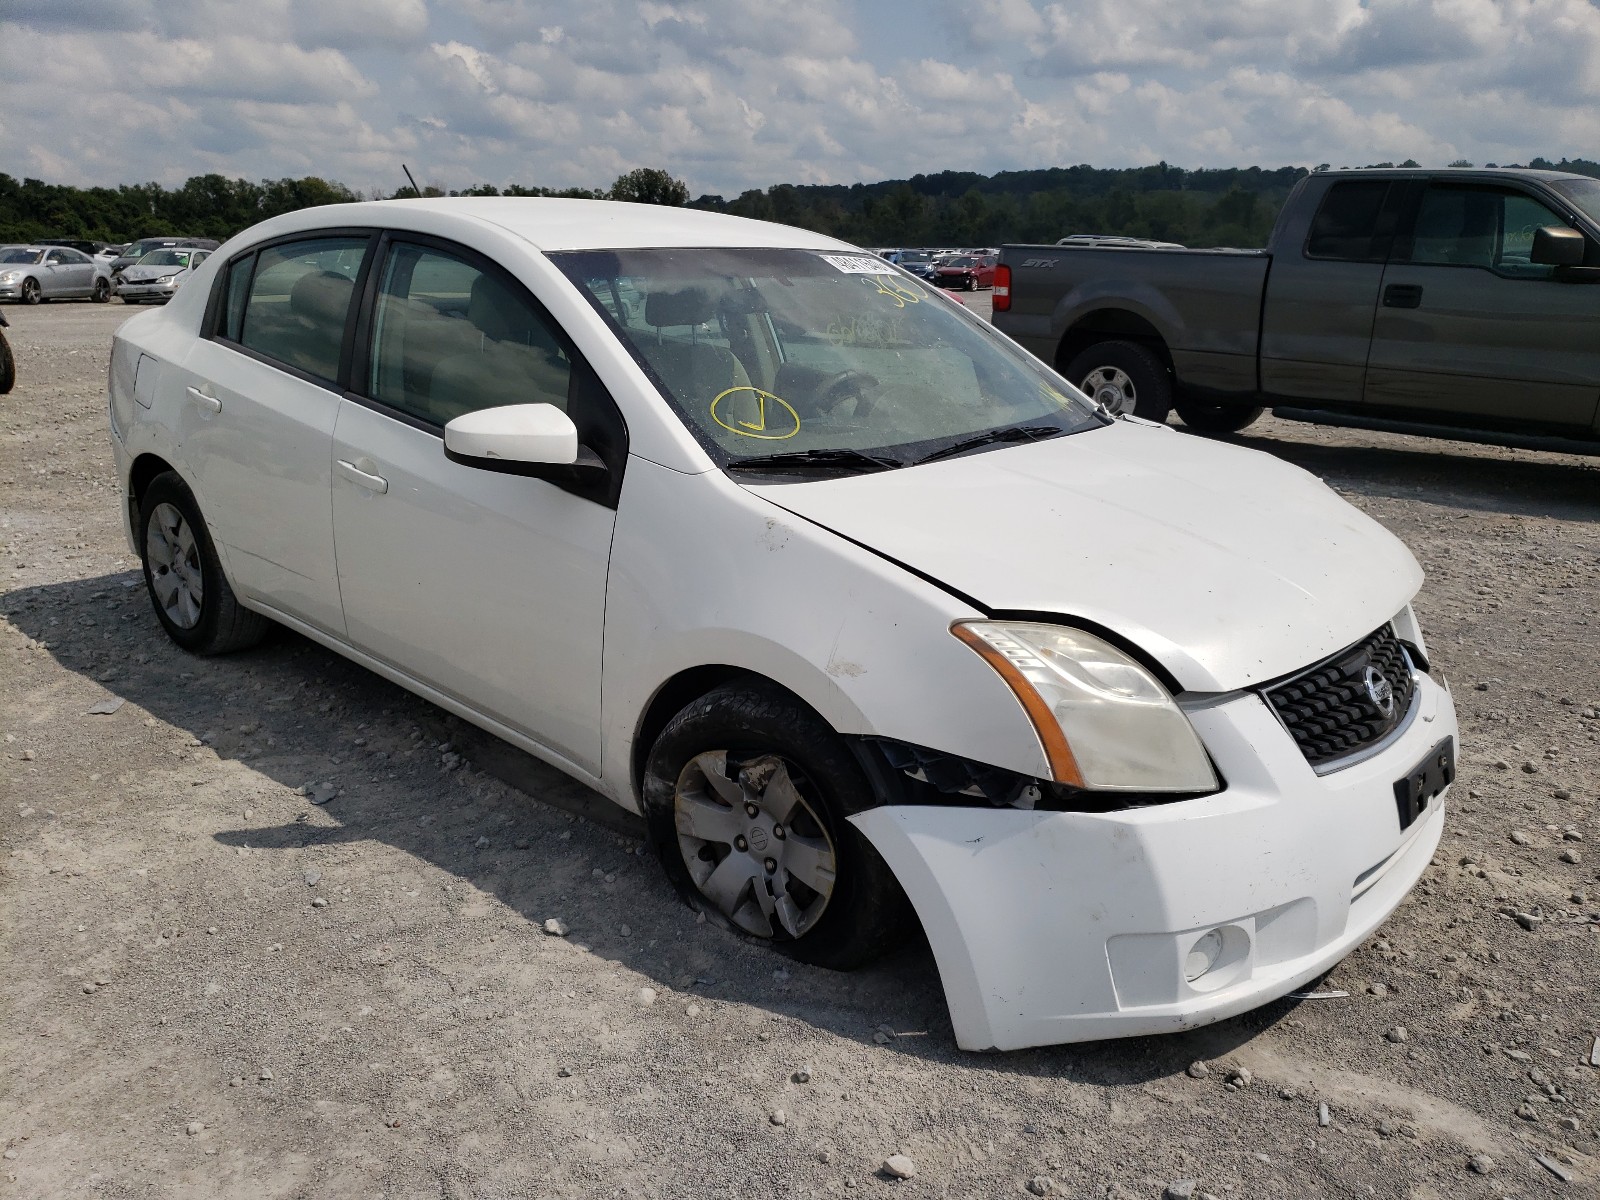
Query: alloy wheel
point(1112, 389)
point(176, 576)
point(753, 844)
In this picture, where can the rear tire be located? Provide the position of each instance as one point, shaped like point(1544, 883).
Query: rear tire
point(747, 794)
point(1128, 378)
point(1216, 418)
point(102, 291)
point(184, 577)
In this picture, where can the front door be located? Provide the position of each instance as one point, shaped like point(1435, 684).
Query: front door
point(1468, 326)
point(487, 586)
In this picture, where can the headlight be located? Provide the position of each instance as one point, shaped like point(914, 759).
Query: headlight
point(1105, 721)
point(10, 276)
point(170, 281)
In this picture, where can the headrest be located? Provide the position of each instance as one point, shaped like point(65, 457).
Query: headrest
point(322, 296)
point(497, 313)
point(689, 306)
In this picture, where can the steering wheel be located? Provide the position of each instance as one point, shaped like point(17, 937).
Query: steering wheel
point(860, 384)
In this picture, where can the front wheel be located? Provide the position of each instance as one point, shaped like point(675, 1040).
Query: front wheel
point(102, 291)
point(31, 293)
point(747, 794)
point(1127, 379)
point(191, 596)
point(1216, 418)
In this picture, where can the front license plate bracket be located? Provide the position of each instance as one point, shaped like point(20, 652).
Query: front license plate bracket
point(1425, 781)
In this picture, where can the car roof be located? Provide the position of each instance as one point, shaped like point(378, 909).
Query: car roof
point(1495, 173)
point(552, 224)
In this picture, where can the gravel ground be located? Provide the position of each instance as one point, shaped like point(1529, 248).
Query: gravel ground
point(215, 987)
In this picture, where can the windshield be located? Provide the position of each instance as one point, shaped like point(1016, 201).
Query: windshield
point(960, 260)
point(165, 258)
point(774, 352)
point(140, 248)
point(21, 256)
point(1585, 193)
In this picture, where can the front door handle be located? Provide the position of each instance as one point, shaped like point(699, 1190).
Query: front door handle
point(1403, 295)
point(373, 483)
point(209, 403)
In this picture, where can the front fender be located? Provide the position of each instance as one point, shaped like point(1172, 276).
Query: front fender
point(704, 573)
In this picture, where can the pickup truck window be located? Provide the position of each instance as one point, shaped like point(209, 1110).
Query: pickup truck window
point(1488, 227)
point(1353, 223)
point(1584, 193)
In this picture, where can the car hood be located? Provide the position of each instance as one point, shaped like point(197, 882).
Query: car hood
point(1227, 565)
point(148, 274)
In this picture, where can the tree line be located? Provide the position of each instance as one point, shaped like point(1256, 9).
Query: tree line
point(1233, 206)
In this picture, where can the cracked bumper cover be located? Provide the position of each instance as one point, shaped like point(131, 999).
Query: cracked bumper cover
point(1061, 927)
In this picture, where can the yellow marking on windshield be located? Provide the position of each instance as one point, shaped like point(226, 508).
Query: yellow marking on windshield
point(899, 291)
point(758, 427)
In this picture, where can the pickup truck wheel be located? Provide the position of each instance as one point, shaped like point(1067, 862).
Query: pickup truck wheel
point(747, 794)
point(1126, 378)
point(1216, 418)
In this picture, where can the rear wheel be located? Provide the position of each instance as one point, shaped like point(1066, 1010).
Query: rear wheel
point(102, 291)
point(1125, 378)
point(747, 794)
point(184, 577)
point(1216, 418)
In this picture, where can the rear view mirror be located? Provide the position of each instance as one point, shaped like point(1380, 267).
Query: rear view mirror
point(1555, 246)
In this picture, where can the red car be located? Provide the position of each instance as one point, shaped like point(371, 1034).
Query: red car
point(966, 271)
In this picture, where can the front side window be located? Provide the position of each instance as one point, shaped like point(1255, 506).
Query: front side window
point(765, 352)
point(1351, 222)
point(299, 301)
point(450, 337)
point(1481, 227)
point(55, 258)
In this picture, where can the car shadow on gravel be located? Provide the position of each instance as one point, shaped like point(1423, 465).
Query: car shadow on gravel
point(299, 714)
point(1456, 474)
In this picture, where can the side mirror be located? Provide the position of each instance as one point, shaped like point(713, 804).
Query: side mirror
point(520, 439)
point(1554, 246)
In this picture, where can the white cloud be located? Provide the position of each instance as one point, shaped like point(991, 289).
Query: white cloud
point(731, 95)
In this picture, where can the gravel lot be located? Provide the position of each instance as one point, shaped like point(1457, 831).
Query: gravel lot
point(215, 988)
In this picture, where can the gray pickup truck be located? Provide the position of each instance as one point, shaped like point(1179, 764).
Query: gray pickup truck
point(1449, 303)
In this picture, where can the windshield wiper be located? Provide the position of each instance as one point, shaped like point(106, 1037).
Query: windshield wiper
point(837, 458)
point(1012, 433)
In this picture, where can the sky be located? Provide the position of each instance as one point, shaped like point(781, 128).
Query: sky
point(733, 94)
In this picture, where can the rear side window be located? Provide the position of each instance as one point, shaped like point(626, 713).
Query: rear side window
point(450, 337)
point(1352, 223)
point(238, 292)
point(298, 300)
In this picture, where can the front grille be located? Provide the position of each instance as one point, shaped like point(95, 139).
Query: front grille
point(1329, 710)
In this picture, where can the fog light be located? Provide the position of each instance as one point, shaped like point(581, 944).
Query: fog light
point(1203, 955)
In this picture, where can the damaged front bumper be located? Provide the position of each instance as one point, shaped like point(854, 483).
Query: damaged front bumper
point(1064, 926)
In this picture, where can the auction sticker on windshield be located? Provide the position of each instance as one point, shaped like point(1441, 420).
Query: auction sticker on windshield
point(858, 264)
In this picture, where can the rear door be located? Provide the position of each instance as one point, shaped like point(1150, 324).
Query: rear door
point(1469, 327)
point(261, 395)
point(1316, 327)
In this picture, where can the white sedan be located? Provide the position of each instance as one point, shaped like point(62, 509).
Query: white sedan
point(867, 612)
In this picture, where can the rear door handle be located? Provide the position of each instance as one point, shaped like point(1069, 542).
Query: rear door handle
point(1402, 295)
point(209, 403)
point(373, 483)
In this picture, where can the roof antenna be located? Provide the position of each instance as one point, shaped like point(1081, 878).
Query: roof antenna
point(414, 186)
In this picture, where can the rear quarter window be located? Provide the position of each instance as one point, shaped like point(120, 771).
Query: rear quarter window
point(1351, 223)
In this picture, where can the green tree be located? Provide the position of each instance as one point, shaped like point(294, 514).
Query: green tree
point(650, 185)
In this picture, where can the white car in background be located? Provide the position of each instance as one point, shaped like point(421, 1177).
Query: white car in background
point(861, 606)
point(30, 274)
point(157, 276)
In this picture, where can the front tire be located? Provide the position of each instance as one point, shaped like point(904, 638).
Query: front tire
point(1216, 418)
point(31, 292)
point(184, 577)
point(747, 794)
point(1126, 378)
